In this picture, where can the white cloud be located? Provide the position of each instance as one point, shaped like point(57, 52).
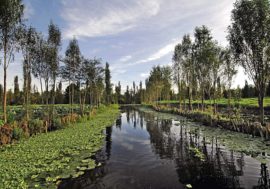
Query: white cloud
point(102, 18)
point(125, 58)
point(144, 75)
point(159, 54)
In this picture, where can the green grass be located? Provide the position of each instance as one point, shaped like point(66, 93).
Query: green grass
point(247, 102)
point(43, 160)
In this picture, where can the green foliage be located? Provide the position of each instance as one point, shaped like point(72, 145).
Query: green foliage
point(36, 126)
point(245, 102)
point(44, 159)
point(18, 133)
point(1, 122)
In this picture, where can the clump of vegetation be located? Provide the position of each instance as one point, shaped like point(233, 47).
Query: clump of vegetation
point(43, 160)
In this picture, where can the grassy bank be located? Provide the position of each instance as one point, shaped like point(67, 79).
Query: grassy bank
point(42, 160)
point(245, 102)
point(234, 123)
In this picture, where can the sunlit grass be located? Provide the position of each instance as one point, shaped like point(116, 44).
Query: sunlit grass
point(251, 102)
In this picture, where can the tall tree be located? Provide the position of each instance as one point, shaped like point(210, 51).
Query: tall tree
point(54, 42)
point(249, 36)
point(28, 39)
point(72, 63)
point(11, 12)
point(1, 93)
point(204, 55)
point(229, 71)
point(16, 90)
point(118, 93)
point(108, 85)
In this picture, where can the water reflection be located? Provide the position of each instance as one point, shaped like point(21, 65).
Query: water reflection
point(166, 153)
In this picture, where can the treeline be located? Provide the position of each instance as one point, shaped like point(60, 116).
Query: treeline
point(88, 82)
point(202, 69)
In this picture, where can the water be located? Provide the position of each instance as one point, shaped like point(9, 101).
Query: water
point(151, 150)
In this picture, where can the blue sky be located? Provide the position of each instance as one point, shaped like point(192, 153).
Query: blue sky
point(132, 35)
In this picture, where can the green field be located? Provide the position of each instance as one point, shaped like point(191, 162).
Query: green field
point(42, 160)
point(247, 102)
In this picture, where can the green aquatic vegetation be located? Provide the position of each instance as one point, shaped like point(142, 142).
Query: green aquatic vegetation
point(197, 153)
point(44, 159)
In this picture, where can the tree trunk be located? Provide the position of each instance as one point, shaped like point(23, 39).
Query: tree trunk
point(202, 99)
point(5, 83)
point(260, 101)
point(53, 98)
point(179, 93)
point(41, 88)
point(72, 98)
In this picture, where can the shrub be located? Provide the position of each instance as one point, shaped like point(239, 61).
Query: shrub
point(18, 133)
point(36, 126)
point(57, 124)
point(5, 134)
point(1, 123)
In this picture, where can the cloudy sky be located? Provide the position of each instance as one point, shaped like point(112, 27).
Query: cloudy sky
point(132, 35)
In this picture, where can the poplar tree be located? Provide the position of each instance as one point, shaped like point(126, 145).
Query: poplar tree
point(249, 36)
point(11, 12)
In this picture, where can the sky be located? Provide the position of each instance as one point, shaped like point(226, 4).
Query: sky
point(131, 35)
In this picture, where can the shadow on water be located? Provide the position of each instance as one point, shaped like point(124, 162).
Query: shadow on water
point(145, 150)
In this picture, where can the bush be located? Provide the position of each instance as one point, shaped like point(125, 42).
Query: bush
point(57, 124)
point(18, 133)
point(1, 123)
point(36, 126)
point(5, 134)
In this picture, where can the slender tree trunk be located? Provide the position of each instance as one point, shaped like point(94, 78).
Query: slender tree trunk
point(72, 98)
point(41, 88)
point(179, 93)
point(202, 99)
point(53, 98)
point(260, 100)
point(5, 82)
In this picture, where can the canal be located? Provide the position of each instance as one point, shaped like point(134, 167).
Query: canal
point(146, 149)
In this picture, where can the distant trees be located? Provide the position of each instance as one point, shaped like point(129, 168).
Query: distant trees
point(11, 12)
point(16, 90)
point(158, 84)
point(118, 93)
point(249, 36)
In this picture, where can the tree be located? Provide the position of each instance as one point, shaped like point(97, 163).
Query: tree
point(268, 89)
point(178, 69)
point(59, 98)
point(27, 38)
point(118, 93)
point(184, 67)
point(127, 96)
point(11, 12)
point(249, 36)
point(1, 93)
point(204, 58)
point(16, 90)
point(54, 42)
point(40, 67)
point(229, 71)
point(245, 90)
point(72, 63)
point(108, 85)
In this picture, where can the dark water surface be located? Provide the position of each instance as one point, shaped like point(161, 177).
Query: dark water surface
point(157, 151)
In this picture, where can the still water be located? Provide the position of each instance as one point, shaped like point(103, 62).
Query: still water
point(145, 149)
